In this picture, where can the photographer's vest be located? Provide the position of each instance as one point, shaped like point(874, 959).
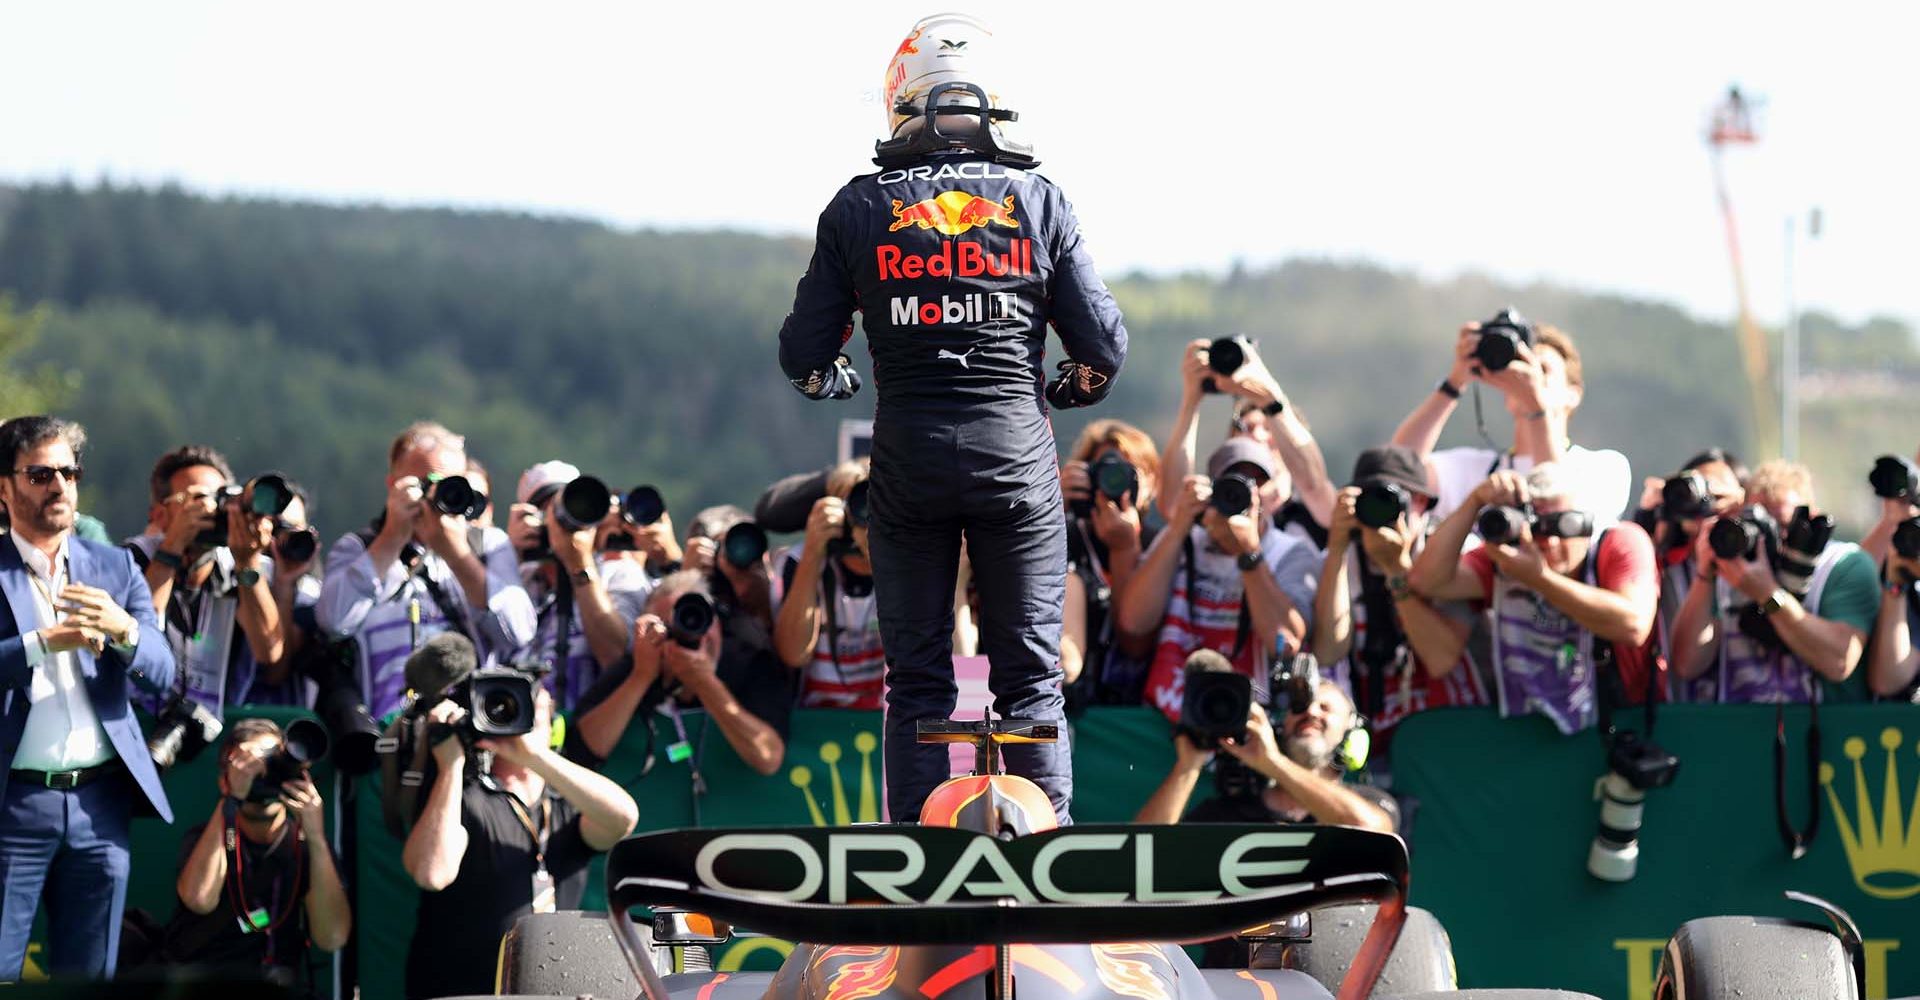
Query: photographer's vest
point(1752, 672)
point(1405, 688)
point(203, 632)
point(1676, 579)
point(1542, 658)
point(1207, 610)
point(849, 666)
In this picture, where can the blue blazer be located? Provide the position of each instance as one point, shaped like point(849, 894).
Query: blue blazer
point(111, 569)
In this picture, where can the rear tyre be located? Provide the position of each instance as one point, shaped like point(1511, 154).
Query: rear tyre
point(1754, 958)
point(1421, 963)
point(564, 954)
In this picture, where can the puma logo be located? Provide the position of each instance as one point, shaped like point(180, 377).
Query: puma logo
point(962, 358)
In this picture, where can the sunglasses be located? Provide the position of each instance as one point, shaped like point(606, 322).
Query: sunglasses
point(41, 475)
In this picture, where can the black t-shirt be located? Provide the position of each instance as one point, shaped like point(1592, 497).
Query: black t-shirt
point(456, 935)
point(756, 677)
point(271, 877)
point(1221, 809)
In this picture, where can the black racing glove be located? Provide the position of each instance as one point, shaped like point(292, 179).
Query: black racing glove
point(1077, 385)
point(838, 382)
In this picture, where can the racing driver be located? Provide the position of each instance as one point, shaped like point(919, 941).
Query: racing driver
point(958, 256)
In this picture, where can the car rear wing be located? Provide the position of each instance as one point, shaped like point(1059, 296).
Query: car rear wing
point(909, 885)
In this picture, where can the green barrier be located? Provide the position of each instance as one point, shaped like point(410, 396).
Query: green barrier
point(830, 777)
point(1506, 811)
point(192, 790)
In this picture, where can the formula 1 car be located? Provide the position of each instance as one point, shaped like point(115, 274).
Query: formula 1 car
point(986, 900)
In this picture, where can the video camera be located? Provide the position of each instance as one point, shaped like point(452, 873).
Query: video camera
point(303, 743)
point(266, 495)
point(1500, 339)
point(182, 730)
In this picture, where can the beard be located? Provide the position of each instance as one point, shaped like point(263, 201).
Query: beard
point(45, 520)
point(1313, 751)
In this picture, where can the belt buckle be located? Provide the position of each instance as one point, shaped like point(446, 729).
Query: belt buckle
point(63, 780)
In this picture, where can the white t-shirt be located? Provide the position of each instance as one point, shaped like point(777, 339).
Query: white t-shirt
point(1602, 480)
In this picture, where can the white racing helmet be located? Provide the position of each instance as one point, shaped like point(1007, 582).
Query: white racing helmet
point(945, 63)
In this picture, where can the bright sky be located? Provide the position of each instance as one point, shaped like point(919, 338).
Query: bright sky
point(1528, 140)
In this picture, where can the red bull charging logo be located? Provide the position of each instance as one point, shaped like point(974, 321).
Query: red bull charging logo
point(953, 212)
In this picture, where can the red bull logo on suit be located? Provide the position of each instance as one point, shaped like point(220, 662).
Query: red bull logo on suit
point(953, 212)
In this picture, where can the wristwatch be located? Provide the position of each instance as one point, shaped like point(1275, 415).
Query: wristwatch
point(1274, 408)
point(1774, 601)
point(1447, 389)
point(583, 577)
point(246, 577)
point(1397, 587)
point(168, 559)
point(1247, 561)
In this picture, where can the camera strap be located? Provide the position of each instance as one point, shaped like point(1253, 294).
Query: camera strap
point(562, 622)
point(1797, 839)
point(1243, 631)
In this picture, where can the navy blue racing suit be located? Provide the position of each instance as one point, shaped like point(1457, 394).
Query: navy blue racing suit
point(957, 265)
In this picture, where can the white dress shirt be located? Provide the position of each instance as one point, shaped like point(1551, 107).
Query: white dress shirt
point(62, 733)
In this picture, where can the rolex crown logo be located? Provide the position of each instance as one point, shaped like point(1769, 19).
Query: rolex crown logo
point(843, 813)
point(1883, 853)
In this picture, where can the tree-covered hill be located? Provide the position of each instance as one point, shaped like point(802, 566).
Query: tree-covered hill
point(300, 337)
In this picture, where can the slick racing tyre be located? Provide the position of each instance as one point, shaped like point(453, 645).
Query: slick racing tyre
point(1754, 958)
point(571, 953)
point(1501, 995)
point(1421, 963)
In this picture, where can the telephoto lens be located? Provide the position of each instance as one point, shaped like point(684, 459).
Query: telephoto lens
point(584, 503)
point(1380, 504)
point(455, 496)
point(744, 544)
point(1563, 524)
point(1634, 765)
point(182, 730)
point(1115, 477)
point(1894, 478)
point(691, 617)
point(298, 545)
point(1502, 525)
point(1906, 538)
point(1500, 340)
point(1233, 494)
point(268, 495)
point(1734, 538)
point(1225, 356)
point(860, 504)
point(642, 506)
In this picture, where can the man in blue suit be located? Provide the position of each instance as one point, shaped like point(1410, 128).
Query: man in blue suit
point(76, 626)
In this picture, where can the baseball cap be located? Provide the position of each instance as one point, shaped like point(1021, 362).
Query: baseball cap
point(1239, 451)
point(1393, 464)
point(546, 474)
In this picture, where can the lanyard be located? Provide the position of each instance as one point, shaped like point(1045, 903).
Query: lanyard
point(539, 837)
point(45, 587)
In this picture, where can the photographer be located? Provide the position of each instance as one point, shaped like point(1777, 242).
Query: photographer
point(598, 597)
point(1543, 386)
point(643, 535)
point(742, 688)
point(1221, 576)
point(1295, 777)
point(296, 592)
point(1304, 496)
point(211, 577)
point(414, 572)
point(1399, 653)
point(258, 882)
point(1893, 511)
point(1566, 596)
point(827, 628)
point(739, 572)
point(1785, 606)
point(1108, 483)
point(492, 847)
point(1893, 664)
point(1673, 511)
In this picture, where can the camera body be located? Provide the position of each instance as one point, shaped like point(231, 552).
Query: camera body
point(1906, 538)
point(1233, 494)
point(1112, 477)
point(266, 495)
point(455, 496)
point(1295, 684)
point(1894, 478)
point(1635, 764)
point(1225, 356)
point(303, 743)
point(1743, 535)
point(182, 730)
point(1381, 504)
point(1500, 339)
point(1686, 497)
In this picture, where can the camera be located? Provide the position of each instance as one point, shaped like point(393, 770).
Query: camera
point(1634, 765)
point(1686, 497)
point(745, 543)
point(455, 496)
point(691, 617)
point(498, 702)
point(333, 669)
point(859, 515)
point(265, 495)
point(1233, 494)
point(1906, 538)
point(1296, 683)
point(297, 545)
point(303, 743)
point(1500, 339)
point(1563, 524)
point(1113, 477)
point(584, 503)
point(1740, 536)
point(1381, 504)
point(181, 731)
point(642, 506)
point(1225, 356)
point(1894, 478)
point(1215, 707)
point(1503, 525)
